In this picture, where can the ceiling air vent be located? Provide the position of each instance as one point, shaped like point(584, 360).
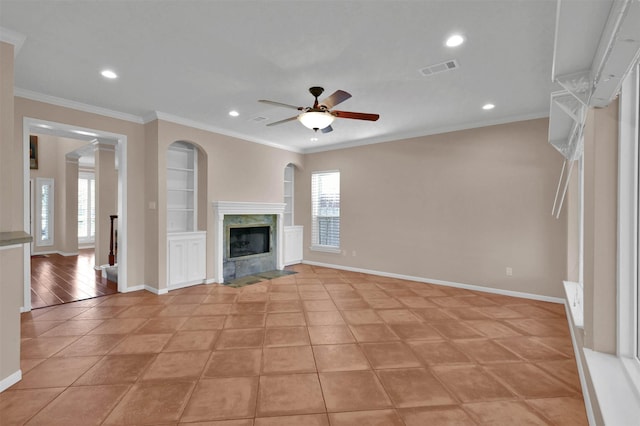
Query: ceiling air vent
point(258, 119)
point(441, 67)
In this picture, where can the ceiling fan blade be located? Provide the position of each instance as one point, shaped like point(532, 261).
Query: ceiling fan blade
point(280, 104)
point(356, 115)
point(283, 121)
point(337, 97)
point(327, 129)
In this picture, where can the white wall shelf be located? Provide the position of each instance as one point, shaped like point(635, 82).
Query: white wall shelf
point(182, 192)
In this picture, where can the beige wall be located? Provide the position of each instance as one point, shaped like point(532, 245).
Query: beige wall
point(11, 219)
point(572, 206)
point(457, 207)
point(151, 243)
point(600, 228)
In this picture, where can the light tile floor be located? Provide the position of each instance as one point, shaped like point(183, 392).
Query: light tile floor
point(322, 347)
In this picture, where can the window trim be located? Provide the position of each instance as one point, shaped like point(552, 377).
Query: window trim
point(39, 242)
point(628, 304)
point(87, 175)
point(321, 247)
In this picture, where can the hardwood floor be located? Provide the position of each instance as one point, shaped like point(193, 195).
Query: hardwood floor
point(57, 279)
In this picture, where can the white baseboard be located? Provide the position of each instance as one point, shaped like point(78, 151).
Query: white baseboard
point(187, 284)
point(134, 288)
point(441, 282)
point(211, 281)
point(41, 253)
point(10, 380)
point(155, 290)
point(61, 253)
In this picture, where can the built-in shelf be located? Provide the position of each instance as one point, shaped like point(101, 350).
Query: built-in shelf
point(181, 188)
point(288, 194)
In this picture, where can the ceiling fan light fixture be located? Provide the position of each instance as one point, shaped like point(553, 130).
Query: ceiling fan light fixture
point(316, 120)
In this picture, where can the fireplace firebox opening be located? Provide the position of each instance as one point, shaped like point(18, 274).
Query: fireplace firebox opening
point(249, 240)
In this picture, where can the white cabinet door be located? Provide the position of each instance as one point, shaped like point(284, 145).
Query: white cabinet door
point(196, 264)
point(177, 262)
point(293, 244)
point(186, 259)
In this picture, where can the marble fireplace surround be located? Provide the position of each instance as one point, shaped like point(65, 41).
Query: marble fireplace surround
point(222, 208)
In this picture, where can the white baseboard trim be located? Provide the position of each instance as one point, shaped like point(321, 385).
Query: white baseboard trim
point(187, 284)
point(23, 309)
point(211, 281)
point(61, 253)
point(441, 282)
point(39, 253)
point(10, 380)
point(134, 288)
point(155, 290)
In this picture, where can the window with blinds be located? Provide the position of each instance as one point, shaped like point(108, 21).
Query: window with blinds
point(86, 208)
point(325, 210)
point(44, 211)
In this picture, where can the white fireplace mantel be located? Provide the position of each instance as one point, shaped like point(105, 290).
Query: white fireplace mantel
point(222, 208)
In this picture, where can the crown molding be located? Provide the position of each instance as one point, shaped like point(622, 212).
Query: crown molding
point(158, 115)
point(12, 37)
point(421, 133)
point(54, 100)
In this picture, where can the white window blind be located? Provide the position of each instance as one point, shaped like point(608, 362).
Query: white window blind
point(86, 208)
point(325, 210)
point(44, 211)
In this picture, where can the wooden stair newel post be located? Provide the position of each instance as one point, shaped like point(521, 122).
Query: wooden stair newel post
point(112, 257)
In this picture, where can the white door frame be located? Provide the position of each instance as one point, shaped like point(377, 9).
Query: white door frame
point(36, 125)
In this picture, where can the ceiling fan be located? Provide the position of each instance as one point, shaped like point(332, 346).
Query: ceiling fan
point(320, 115)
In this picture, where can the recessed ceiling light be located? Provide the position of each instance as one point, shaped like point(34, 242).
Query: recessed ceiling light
point(82, 132)
point(234, 113)
point(109, 74)
point(455, 40)
point(488, 106)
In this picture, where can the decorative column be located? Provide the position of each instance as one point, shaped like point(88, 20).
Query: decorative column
point(70, 231)
point(106, 198)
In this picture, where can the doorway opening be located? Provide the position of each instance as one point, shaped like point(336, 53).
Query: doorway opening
point(72, 268)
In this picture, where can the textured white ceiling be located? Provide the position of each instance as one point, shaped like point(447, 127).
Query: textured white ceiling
point(197, 60)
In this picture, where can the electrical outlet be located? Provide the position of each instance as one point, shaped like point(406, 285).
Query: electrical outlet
point(509, 271)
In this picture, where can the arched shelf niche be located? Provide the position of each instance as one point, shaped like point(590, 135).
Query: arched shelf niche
point(186, 214)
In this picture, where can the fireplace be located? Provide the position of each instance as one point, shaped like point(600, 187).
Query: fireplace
point(248, 239)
